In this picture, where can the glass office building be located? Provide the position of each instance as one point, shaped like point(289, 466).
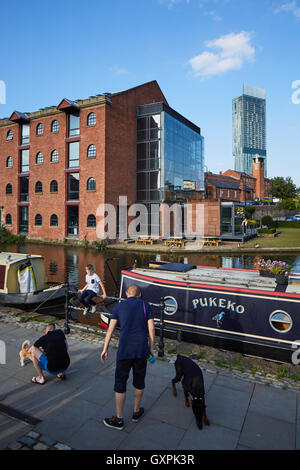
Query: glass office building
point(249, 128)
point(170, 155)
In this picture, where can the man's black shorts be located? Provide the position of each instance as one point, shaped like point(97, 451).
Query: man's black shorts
point(123, 367)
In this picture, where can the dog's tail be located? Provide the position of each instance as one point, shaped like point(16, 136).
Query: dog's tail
point(25, 345)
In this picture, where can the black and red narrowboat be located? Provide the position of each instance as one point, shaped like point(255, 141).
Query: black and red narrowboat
point(235, 309)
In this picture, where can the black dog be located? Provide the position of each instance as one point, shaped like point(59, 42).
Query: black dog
point(192, 382)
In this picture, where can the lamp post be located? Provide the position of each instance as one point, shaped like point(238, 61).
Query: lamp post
point(161, 329)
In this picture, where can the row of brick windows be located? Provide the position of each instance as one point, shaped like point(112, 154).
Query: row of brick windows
point(39, 159)
point(91, 121)
point(90, 186)
point(38, 220)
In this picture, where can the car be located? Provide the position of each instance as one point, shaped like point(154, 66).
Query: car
point(293, 218)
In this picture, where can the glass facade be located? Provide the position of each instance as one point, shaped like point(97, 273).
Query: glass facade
point(74, 125)
point(24, 164)
point(73, 187)
point(73, 157)
point(170, 155)
point(183, 161)
point(25, 134)
point(249, 129)
point(24, 189)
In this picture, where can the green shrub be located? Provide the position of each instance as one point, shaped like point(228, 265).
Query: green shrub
point(267, 230)
point(7, 237)
point(286, 224)
point(268, 221)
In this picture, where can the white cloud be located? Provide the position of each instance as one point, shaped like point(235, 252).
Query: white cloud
point(213, 15)
point(171, 3)
point(292, 7)
point(234, 50)
point(119, 70)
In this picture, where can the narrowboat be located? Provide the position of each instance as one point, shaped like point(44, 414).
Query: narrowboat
point(23, 282)
point(233, 309)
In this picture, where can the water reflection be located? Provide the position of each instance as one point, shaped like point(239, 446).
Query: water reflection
point(65, 263)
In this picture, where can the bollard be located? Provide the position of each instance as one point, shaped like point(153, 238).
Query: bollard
point(67, 307)
point(161, 329)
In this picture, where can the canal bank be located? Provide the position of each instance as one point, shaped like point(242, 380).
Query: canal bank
point(189, 248)
point(245, 409)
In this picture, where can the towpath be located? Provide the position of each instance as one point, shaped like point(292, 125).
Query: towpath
point(244, 413)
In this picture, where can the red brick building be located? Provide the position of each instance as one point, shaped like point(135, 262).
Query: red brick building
point(59, 163)
point(227, 188)
point(236, 186)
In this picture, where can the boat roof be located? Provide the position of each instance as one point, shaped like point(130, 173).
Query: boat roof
point(11, 258)
point(239, 278)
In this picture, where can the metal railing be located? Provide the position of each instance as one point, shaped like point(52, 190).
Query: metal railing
point(160, 324)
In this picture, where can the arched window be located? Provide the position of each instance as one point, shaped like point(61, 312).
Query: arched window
point(91, 184)
point(91, 221)
point(8, 188)
point(54, 126)
point(54, 156)
point(8, 219)
point(53, 186)
point(40, 129)
point(39, 158)
point(38, 187)
point(38, 220)
point(9, 162)
point(91, 120)
point(91, 153)
point(53, 220)
point(9, 135)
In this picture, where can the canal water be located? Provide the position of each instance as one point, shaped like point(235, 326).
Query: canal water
point(66, 263)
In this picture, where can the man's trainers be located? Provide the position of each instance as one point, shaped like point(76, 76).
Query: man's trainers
point(114, 423)
point(138, 415)
point(86, 310)
point(94, 309)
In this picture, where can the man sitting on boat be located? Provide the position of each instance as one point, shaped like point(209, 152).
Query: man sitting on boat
point(50, 354)
point(91, 289)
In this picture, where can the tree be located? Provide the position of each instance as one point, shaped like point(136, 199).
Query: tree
point(283, 188)
point(268, 221)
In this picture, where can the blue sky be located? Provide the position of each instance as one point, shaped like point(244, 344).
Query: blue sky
point(200, 52)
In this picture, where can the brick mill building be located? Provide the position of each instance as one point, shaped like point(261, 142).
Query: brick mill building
point(232, 185)
point(58, 164)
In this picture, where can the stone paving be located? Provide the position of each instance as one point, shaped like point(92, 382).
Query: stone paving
point(245, 412)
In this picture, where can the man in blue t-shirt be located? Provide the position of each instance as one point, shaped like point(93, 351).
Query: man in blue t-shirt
point(136, 322)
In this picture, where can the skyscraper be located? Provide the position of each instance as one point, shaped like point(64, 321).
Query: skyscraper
point(249, 128)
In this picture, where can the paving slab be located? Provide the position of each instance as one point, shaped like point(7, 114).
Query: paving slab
point(262, 432)
point(213, 437)
point(147, 437)
point(275, 403)
point(67, 418)
point(227, 407)
point(243, 414)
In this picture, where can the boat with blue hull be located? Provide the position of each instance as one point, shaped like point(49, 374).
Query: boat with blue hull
point(233, 309)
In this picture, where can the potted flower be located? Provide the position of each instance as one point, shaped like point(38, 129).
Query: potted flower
point(265, 268)
point(280, 269)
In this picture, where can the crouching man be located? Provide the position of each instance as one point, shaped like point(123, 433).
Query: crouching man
point(50, 354)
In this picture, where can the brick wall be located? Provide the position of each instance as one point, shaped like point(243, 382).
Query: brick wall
point(114, 167)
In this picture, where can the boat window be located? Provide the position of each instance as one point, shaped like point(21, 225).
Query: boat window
point(2, 276)
point(281, 321)
point(171, 305)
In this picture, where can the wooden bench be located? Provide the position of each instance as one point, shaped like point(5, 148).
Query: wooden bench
point(175, 242)
point(211, 241)
point(144, 241)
